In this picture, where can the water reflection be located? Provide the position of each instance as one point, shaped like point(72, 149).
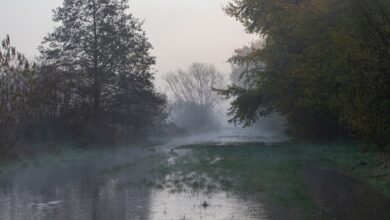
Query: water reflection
point(231, 135)
point(117, 185)
point(82, 201)
point(79, 190)
point(114, 186)
point(122, 198)
point(215, 206)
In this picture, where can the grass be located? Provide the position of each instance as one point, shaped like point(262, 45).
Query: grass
point(275, 172)
point(356, 160)
point(270, 173)
point(250, 169)
point(65, 155)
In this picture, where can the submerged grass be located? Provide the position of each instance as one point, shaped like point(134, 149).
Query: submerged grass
point(257, 170)
point(274, 172)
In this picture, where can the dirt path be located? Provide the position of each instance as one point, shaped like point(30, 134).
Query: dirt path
point(342, 197)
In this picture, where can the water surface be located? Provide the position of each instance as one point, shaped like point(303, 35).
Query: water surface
point(118, 185)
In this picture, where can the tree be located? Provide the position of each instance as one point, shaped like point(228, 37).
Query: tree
point(241, 78)
point(279, 85)
point(362, 60)
point(15, 78)
point(241, 70)
point(194, 99)
point(325, 67)
point(103, 57)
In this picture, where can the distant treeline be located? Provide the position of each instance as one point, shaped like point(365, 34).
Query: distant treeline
point(324, 65)
point(92, 83)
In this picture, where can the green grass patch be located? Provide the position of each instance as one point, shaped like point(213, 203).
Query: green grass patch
point(357, 160)
point(271, 172)
point(274, 172)
point(63, 156)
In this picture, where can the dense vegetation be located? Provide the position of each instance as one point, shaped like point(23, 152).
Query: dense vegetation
point(324, 66)
point(321, 65)
point(91, 84)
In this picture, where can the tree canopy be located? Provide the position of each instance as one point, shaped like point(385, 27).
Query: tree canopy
point(326, 67)
point(92, 84)
point(103, 56)
point(15, 72)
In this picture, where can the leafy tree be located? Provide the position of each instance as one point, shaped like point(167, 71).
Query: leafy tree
point(15, 76)
point(325, 66)
point(241, 76)
point(241, 71)
point(280, 86)
point(103, 57)
point(361, 57)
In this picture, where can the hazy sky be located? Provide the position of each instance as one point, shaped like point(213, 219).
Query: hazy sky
point(181, 31)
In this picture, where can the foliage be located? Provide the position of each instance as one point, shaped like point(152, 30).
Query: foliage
point(241, 71)
point(100, 58)
point(325, 67)
point(92, 84)
point(15, 73)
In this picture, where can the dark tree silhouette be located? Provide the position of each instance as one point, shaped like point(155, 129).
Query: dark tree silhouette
point(102, 55)
point(326, 66)
point(15, 76)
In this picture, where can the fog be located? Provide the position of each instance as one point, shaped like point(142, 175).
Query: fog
point(205, 35)
point(181, 31)
point(194, 109)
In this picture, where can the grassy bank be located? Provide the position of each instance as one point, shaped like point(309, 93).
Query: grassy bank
point(359, 161)
point(275, 173)
point(66, 154)
point(63, 153)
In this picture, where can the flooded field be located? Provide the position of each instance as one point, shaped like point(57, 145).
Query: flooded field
point(166, 182)
point(117, 185)
point(114, 201)
point(207, 206)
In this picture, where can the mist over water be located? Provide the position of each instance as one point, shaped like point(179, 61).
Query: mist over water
point(232, 135)
point(115, 186)
point(135, 109)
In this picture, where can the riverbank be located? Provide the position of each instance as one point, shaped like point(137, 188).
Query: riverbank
point(65, 153)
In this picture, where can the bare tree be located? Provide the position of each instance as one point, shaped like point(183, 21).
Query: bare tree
point(194, 99)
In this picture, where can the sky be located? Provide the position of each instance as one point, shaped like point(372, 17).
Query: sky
point(181, 31)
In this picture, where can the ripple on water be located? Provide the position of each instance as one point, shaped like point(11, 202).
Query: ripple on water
point(212, 206)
